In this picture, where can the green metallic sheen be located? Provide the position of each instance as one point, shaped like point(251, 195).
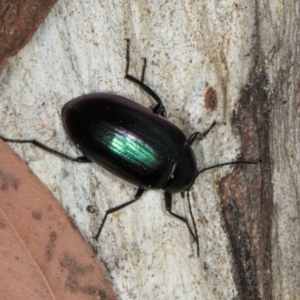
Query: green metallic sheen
point(133, 150)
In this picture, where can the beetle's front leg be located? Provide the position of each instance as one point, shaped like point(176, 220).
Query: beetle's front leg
point(201, 135)
point(159, 109)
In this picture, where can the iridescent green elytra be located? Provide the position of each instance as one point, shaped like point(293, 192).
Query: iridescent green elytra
point(126, 138)
point(133, 150)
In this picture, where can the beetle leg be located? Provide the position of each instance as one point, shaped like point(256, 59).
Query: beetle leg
point(192, 138)
point(144, 69)
point(137, 196)
point(159, 108)
point(80, 159)
point(168, 199)
point(194, 223)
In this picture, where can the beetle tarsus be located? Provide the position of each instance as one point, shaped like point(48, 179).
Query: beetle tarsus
point(127, 57)
point(159, 109)
point(137, 196)
point(194, 223)
point(168, 200)
point(144, 69)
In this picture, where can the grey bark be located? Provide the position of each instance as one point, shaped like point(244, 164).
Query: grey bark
point(232, 62)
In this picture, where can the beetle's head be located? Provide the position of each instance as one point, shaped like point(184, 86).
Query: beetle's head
point(184, 172)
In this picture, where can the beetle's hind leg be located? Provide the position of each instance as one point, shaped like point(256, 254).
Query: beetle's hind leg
point(159, 109)
point(137, 196)
point(168, 199)
point(80, 159)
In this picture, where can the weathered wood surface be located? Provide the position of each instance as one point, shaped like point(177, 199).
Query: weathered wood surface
point(232, 62)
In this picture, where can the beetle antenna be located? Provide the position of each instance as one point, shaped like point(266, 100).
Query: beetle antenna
point(229, 163)
point(194, 223)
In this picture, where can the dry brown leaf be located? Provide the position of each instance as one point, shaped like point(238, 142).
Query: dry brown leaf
point(18, 22)
point(42, 255)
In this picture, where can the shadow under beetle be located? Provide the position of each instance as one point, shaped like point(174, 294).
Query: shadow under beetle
point(131, 141)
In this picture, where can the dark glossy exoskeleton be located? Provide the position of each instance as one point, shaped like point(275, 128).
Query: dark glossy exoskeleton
point(133, 142)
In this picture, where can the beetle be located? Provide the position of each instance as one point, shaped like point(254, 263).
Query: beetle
point(133, 142)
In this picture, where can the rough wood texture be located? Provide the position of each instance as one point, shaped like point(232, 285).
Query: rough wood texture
point(235, 63)
point(246, 195)
point(279, 36)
